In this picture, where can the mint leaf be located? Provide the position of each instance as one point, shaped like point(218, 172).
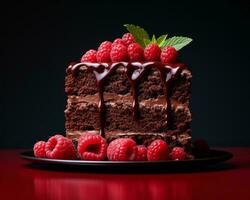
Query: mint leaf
point(139, 33)
point(154, 40)
point(161, 40)
point(146, 42)
point(178, 42)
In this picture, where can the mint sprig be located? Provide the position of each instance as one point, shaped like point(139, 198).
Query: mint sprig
point(142, 37)
point(161, 40)
point(178, 42)
point(139, 33)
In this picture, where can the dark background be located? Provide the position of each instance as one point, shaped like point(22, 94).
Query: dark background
point(40, 39)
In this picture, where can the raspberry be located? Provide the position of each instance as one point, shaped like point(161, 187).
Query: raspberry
point(105, 45)
point(118, 41)
point(158, 150)
point(92, 147)
point(103, 53)
point(178, 153)
point(122, 149)
point(39, 149)
point(169, 54)
point(119, 53)
point(59, 147)
point(89, 56)
point(152, 52)
point(135, 52)
point(128, 39)
point(141, 153)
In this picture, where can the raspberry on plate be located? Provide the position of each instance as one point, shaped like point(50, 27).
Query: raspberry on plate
point(103, 52)
point(141, 153)
point(152, 52)
point(135, 52)
point(59, 147)
point(128, 39)
point(122, 149)
point(119, 53)
point(169, 54)
point(39, 149)
point(89, 56)
point(158, 150)
point(178, 153)
point(92, 147)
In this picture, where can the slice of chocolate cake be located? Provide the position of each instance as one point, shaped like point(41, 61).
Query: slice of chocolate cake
point(141, 100)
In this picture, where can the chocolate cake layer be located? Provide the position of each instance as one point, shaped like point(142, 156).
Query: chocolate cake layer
point(82, 114)
point(140, 100)
point(150, 86)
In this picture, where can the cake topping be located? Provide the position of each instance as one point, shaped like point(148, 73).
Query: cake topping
point(154, 47)
point(169, 55)
point(89, 56)
point(152, 52)
point(135, 52)
point(128, 39)
point(103, 53)
point(119, 53)
point(118, 41)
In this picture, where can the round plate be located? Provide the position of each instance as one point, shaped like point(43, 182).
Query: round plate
point(215, 156)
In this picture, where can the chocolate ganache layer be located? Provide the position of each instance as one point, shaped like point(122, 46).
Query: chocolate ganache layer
point(140, 100)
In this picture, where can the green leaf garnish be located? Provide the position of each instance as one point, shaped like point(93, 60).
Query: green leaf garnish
point(178, 42)
point(139, 33)
point(147, 42)
point(142, 37)
point(153, 40)
point(161, 40)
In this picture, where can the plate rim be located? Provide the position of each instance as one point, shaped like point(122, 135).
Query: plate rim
point(225, 156)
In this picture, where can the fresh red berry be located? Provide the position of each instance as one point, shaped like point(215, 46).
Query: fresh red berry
point(103, 52)
point(178, 153)
point(128, 39)
point(135, 52)
point(89, 56)
point(122, 149)
point(59, 147)
point(158, 150)
point(152, 52)
point(169, 55)
point(119, 53)
point(141, 153)
point(92, 147)
point(118, 41)
point(39, 149)
point(105, 45)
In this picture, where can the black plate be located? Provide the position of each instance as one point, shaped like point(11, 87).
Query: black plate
point(216, 156)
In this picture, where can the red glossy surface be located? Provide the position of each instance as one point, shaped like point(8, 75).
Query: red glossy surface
point(17, 181)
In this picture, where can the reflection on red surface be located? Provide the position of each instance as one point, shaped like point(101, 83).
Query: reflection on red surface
point(19, 181)
point(113, 187)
